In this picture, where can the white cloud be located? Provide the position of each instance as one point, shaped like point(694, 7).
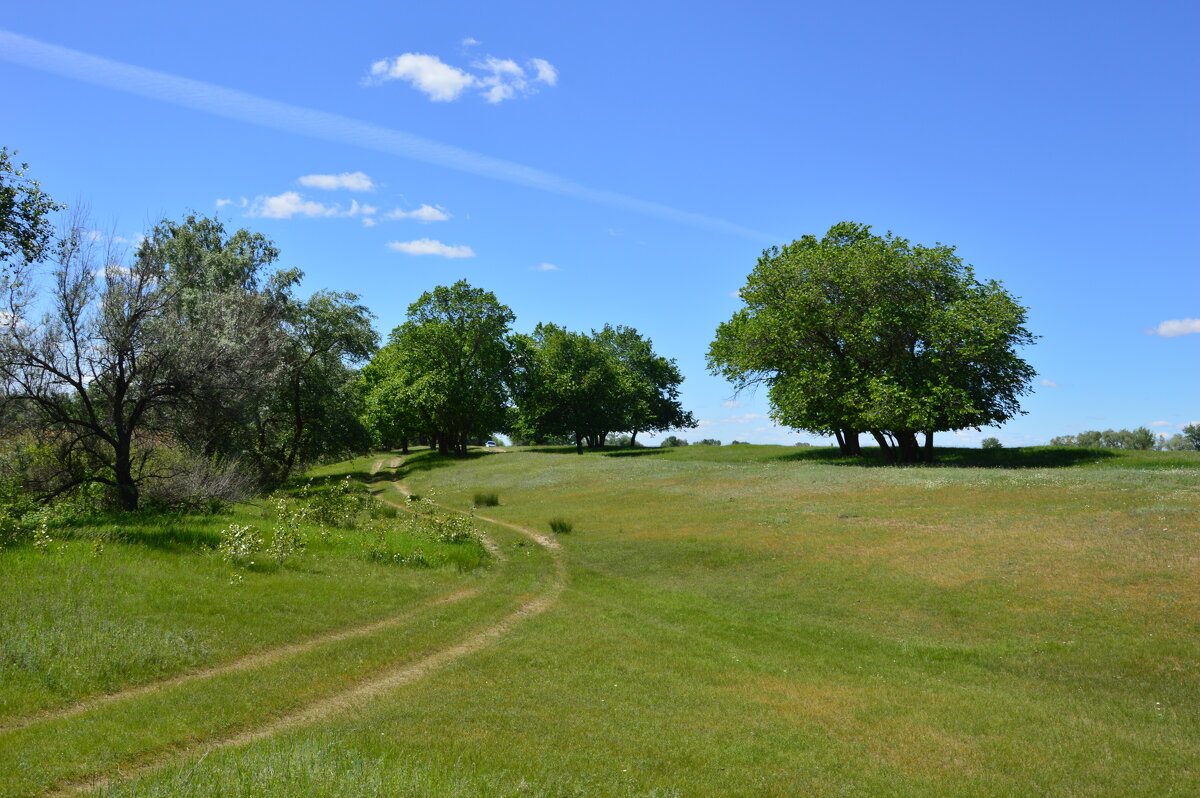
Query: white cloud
point(1161, 424)
point(427, 73)
point(426, 213)
point(369, 221)
point(504, 78)
point(1176, 327)
point(731, 403)
point(546, 72)
point(745, 418)
point(497, 79)
point(470, 41)
point(545, 267)
point(352, 181)
point(428, 246)
point(291, 203)
point(239, 203)
point(1048, 383)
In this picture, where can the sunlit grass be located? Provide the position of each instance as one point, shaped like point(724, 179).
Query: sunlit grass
point(743, 621)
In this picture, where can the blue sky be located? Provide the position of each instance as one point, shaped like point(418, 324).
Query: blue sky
point(628, 162)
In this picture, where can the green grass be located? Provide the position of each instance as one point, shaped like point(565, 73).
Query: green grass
point(158, 599)
point(745, 621)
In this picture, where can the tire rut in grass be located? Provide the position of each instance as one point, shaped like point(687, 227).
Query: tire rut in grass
point(363, 692)
point(255, 660)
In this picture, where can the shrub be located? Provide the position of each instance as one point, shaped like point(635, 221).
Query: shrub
point(992, 443)
point(240, 543)
point(560, 526)
point(487, 500)
point(287, 539)
point(200, 484)
point(708, 442)
point(339, 504)
point(672, 440)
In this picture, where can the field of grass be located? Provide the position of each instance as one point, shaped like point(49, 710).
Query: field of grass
point(736, 620)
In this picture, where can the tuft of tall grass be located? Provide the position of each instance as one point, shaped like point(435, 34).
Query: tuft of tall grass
point(560, 526)
point(487, 499)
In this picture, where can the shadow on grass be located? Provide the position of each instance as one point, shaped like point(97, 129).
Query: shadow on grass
point(165, 531)
point(634, 452)
point(1022, 457)
point(607, 451)
point(432, 461)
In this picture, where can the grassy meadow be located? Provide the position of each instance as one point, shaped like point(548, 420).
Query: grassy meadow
point(735, 620)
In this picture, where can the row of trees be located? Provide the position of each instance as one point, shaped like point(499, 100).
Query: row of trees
point(192, 358)
point(855, 332)
point(1141, 438)
point(454, 373)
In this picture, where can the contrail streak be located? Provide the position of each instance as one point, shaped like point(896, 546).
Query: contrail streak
point(260, 111)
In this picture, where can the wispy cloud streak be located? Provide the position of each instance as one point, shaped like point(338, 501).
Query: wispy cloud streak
point(243, 107)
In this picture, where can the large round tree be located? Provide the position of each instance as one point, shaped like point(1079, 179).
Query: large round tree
point(857, 332)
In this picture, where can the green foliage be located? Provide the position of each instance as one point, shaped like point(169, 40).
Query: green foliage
point(25, 229)
point(1137, 439)
point(991, 443)
point(708, 442)
point(671, 441)
point(489, 499)
point(561, 526)
point(339, 504)
point(581, 387)
point(1191, 433)
point(856, 331)
point(240, 543)
point(287, 536)
point(445, 372)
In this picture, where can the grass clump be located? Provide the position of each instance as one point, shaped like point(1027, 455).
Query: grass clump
point(561, 526)
point(487, 500)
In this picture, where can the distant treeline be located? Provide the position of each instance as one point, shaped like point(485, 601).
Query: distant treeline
point(1140, 438)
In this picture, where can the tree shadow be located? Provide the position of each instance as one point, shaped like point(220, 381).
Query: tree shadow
point(432, 461)
point(1020, 457)
point(634, 452)
point(155, 529)
point(606, 451)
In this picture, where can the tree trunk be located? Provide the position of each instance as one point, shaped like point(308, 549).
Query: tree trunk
point(578, 443)
point(848, 442)
point(910, 450)
point(443, 443)
point(127, 492)
point(889, 453)
point(633, 439)
point(928, 447)
point(403, 444)
point(837, 433)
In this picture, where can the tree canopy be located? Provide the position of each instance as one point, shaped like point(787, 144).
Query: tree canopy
point(586, 386)
point(445, 373)
point(857, 332)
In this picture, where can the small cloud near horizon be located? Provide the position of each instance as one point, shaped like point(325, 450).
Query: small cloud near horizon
point(429, 246)
point(545, 267)
point(1173, 328)
point(1048, 383)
